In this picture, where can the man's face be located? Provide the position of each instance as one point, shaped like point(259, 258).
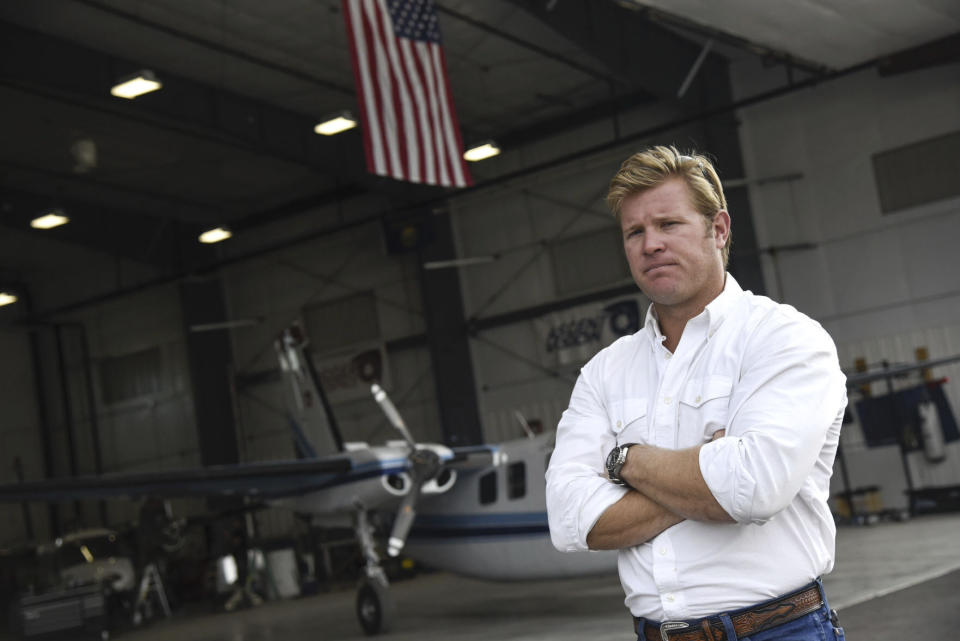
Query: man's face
point(674, 259)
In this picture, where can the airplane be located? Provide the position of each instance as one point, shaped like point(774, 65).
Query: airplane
point(482, 509)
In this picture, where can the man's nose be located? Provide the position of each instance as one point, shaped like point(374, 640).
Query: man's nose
point(652, 242)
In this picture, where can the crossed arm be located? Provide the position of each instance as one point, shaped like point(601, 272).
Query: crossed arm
point(668, 488)
point(783, 425)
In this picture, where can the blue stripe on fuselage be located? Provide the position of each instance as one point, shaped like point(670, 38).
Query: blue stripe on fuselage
point(460, 526)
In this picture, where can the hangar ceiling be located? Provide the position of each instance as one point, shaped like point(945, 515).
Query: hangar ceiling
point(229, 139)
point(830, 33)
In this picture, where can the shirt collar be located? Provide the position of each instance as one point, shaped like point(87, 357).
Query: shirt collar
point(716, 310)
point(719, 307)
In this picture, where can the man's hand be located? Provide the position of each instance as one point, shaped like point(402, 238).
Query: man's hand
point(718, 434)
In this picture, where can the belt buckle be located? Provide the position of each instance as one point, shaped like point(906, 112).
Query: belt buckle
point(669, 626)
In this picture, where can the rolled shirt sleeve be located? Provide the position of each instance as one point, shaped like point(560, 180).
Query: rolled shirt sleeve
point(578, 492)
point(781, 413)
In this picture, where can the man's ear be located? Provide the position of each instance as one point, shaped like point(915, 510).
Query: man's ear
point(721, 227)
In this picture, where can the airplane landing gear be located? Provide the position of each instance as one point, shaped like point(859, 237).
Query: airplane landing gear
point(375, 606)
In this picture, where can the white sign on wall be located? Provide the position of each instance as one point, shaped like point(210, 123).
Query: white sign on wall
point(570, 338)
point(347, 375)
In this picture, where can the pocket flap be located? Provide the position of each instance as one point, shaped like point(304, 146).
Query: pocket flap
point(625, 412)
point(701, 390)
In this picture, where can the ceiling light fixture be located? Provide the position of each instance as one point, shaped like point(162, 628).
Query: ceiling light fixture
point(144, 81)
point(51, 219)
point(215, 235)
point(482, 151)
point(336, 124)
point(232, 324)
point(460, 262)
point(7, 298)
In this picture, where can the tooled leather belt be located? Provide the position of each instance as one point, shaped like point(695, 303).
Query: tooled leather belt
point(745, 622)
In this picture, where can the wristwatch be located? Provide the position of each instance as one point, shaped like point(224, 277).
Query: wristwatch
point(615, 460)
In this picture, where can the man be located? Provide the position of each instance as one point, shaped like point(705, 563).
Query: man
point(702, 446)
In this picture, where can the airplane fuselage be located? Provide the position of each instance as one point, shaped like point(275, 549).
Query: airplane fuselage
point(492, 524)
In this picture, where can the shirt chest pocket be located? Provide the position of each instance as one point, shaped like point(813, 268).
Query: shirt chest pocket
point(704, 407)
point(628, 420)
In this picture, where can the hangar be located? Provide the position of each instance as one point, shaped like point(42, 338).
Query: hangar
point(133, 348)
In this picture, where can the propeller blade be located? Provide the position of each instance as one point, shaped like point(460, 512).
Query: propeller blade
point(403, 522)
point(380, 396)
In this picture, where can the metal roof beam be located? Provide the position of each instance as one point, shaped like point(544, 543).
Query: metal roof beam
point(632, 47)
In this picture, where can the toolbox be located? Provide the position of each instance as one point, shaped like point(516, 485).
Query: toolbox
point(78, 612)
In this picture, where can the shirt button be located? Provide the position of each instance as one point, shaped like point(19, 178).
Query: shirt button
point(619, 423)
point(697, 400)
point(671, 598)
point(666, 400)
point(662, 551)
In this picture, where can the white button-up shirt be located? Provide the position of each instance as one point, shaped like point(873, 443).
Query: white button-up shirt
point(766, 374)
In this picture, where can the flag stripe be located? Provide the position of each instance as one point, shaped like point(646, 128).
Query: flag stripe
point(407, 135)
point(455, 143)
point(426, 68)
point(447, 139)
point(425, 164)
point(361, 78)
point(428, 112)
point(383, 86)
point(410, 128)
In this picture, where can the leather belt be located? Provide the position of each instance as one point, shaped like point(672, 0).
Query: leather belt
point(746, 622)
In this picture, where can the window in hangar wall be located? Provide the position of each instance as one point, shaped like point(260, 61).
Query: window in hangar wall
point(589, 261)
point(918, 173)
point(130, 376)
point(342, 322)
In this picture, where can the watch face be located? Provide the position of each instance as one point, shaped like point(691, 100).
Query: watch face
point(612, 460)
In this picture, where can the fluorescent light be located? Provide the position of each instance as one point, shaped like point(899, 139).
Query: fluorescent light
point(7, 299)
point(241, 322)
point(53, 218)
point(140, 83)
point(482, 151)
point(336, 123)
point(458, 262)
point(215, 235)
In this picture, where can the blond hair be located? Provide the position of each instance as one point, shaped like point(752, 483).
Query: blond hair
point(652, 167)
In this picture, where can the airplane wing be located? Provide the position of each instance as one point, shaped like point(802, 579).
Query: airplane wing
point(261, 480)
point(860, 378)
point(474, 457)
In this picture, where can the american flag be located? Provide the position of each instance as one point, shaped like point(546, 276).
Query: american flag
point(410, 129)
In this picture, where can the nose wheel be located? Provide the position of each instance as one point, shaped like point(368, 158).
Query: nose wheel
point(375, 606)
point(374, 603)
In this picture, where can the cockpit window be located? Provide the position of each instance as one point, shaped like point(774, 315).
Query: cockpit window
point(488, 488)
point(517, 480)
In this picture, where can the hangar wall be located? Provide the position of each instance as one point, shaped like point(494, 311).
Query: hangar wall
point(19, 436)
point(146, 424)
point(881, 284)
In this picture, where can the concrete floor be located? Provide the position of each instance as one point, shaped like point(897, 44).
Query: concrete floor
point(892, 580)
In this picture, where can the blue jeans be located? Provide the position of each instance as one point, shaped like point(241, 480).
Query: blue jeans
point(815, 626)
